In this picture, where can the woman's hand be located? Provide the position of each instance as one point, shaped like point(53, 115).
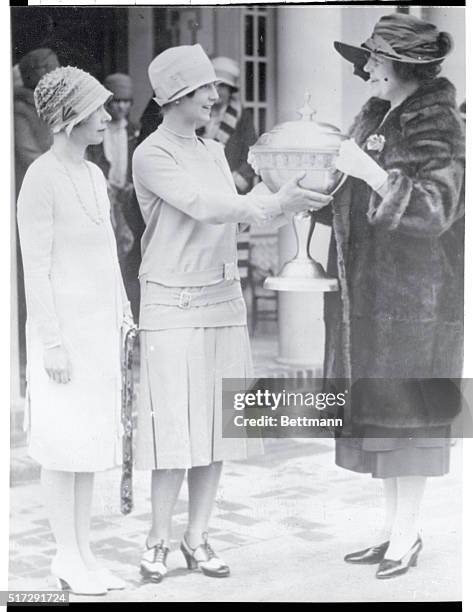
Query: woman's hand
point(352, 160)
point(56, 364)
point(296, 199)
point(128, 322)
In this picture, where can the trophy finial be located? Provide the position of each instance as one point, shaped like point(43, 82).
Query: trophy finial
point(306, 112)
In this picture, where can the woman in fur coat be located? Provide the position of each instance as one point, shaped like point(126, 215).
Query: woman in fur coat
point(397, 249)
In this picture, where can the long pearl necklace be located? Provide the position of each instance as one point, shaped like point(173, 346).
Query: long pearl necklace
point(97, 220)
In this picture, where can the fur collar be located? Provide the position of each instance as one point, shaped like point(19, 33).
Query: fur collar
point(438, 92)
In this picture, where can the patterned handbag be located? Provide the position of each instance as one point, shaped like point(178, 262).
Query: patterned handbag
point(126, 485)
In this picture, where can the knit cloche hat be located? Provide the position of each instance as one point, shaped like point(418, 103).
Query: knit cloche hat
point(227, 71)
point(68, 95)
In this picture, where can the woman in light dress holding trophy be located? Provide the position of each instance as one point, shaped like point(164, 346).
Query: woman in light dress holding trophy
point(395, 328)
point(193, 316)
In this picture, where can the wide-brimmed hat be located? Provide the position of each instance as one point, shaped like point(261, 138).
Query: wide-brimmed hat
point(402, 38)
point(179, 70)
point(227, 71)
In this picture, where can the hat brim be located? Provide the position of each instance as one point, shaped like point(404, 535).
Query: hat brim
point(227, 82)
point(184, 92)
point(358, 56)
point(355, 55)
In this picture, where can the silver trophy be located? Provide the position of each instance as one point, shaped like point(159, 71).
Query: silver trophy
point(289, 149)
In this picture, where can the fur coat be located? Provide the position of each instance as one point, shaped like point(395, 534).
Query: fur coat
point(399, 312)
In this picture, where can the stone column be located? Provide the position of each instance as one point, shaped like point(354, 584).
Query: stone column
point(306, 61)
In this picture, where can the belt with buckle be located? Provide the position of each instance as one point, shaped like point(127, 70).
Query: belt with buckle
point(157, 294)
point(194, 278)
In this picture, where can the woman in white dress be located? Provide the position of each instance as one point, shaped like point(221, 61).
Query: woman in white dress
point(193, 316)
point(76, 308)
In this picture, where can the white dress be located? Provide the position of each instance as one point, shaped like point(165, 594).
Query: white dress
point(75, 297)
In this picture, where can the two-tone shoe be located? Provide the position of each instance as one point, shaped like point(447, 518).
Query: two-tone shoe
point(390, 568)
point(153, 566)
point(204, 558)
point(368, 556)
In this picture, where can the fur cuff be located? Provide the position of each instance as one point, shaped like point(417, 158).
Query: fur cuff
point(388, 212)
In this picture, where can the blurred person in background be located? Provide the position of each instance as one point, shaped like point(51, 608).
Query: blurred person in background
point(32, 136)
point(114, 156)
point(232, 125)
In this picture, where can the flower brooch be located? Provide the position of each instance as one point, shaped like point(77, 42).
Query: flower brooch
point(375, 143)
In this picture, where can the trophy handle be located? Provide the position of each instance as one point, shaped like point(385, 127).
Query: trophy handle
point(339, 186)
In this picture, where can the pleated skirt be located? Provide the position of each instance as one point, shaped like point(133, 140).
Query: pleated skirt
point(180, 406)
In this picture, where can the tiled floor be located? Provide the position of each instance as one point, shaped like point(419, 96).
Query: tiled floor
point(286, 521)
point(283, 522)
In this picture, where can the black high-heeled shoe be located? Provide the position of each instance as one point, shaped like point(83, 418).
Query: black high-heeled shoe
point(368, 556)
point(153, 566)
point(389, 568)
point(204, 558)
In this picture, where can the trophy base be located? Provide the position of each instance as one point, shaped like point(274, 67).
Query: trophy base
point(301, 274)
point(284, 283)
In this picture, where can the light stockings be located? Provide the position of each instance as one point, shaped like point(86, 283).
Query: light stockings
point(165, 487)
point(83, 489)
point(65, 509)
point(203, 484)
point(390, 506)
point(405, 526)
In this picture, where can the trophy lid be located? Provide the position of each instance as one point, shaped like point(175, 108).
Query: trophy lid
point(303, 134)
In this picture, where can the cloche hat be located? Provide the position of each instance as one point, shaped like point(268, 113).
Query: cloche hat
point(227, 71)
point(66, 96)
point(402, 38)
point(179, 70)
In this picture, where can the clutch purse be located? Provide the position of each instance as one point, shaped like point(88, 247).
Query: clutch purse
point(126, 484)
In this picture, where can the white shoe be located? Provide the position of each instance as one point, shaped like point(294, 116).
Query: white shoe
point(112, 582)
point(153, 562)
point(77, 580)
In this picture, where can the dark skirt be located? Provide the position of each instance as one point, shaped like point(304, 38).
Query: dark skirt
point(382, 453)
